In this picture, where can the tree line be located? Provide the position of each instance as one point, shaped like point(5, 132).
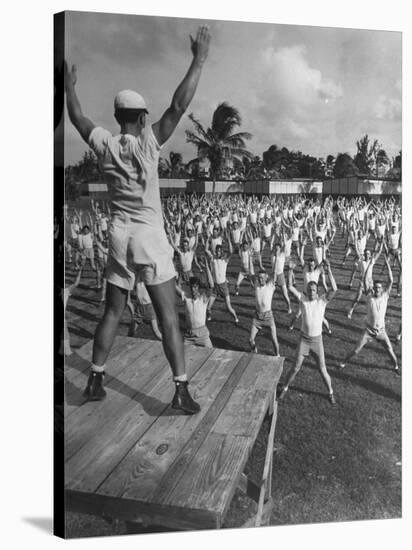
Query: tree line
point(221, 153)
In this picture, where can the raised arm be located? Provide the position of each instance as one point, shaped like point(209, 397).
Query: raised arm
point(184, 93)
point(82, 124)
point(390, 276)
point(331, 293)
point(291, 288)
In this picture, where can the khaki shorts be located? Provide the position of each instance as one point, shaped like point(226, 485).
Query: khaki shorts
point(221, 289)
point(312, 344)
point(265, 319)
point(88, 253)
point(369, 335)
point(198, 337)
point(136, 247)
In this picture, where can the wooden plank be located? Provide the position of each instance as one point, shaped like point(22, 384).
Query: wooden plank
point(89, 467)
point(263, 373)
point(211, 478)
point(252, 396)
point(77, 371)
point(179, 467)
point(139, 474)
point(244, 413)
point(130, 510)
point(121, 385)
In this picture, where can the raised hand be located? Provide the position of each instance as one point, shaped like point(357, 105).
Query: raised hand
point(70, 76)
point(200, 45)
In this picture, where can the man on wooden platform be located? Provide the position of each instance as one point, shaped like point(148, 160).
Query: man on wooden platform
point(138, 240)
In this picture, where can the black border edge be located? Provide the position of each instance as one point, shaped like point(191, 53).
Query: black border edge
point(58, 276)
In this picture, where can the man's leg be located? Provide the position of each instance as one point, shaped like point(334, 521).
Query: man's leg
point(253, 333)
point(274, 339)
point(209, 307)
point(286, 297)
point(106, 330)
point(388, 346)
point(354, 269)
point(230, 308)
point(320, 359)
point(163, 297)
point(357, 349)
point(240, 278)
point(155, 328)
point(103, 340)
point(292, 374)
point(355, 302)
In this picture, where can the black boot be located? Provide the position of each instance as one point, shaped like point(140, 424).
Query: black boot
point(94, 390)
point(182, 399)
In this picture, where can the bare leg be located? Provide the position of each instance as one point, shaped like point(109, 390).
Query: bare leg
point(106, 330)
point(355, 302)
point(293, 372)
point(163, 297)
point(230, 309)
point(286, 297)
point(155, 328)
point(324, 372)
point(274, 340)
point(253, 333)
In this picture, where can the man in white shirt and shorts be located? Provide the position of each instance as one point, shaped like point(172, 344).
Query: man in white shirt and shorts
point(377, 302)
point(138, 241)
point(313, 311)
point(263, 317)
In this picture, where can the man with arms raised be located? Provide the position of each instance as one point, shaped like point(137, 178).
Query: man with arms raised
point(377, 302)
point(313, 311)
point(138, 241)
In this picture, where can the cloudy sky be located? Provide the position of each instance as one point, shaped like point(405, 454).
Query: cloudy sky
point(311, 89)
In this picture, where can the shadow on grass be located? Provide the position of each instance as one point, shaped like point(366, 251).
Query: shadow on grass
point(368, 384)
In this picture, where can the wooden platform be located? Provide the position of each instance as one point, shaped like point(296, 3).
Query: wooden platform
point(133, 457)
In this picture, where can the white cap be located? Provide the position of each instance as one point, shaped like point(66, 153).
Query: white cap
point(128, 99)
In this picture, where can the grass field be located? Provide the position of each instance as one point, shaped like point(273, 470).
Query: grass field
point(331, 463)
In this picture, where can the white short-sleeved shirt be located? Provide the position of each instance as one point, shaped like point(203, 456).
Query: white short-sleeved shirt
point(219, 266)
point(279, 260)
point(130, 166)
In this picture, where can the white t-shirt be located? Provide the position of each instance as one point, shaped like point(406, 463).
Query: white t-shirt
point(219, 270)
point(86, 241)
point(186, 259)
point(280, 263)
point(130, 167)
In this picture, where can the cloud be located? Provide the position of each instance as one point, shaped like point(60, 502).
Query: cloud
point(388, 108)
point(289, 76)
point(294, 96)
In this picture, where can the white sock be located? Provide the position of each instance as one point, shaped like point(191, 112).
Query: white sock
point(96, 368)
point(180, 378)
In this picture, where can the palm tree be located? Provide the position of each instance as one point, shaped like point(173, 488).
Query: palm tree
point(218, 143)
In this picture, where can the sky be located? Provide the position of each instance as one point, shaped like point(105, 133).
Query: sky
point(313, 89)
